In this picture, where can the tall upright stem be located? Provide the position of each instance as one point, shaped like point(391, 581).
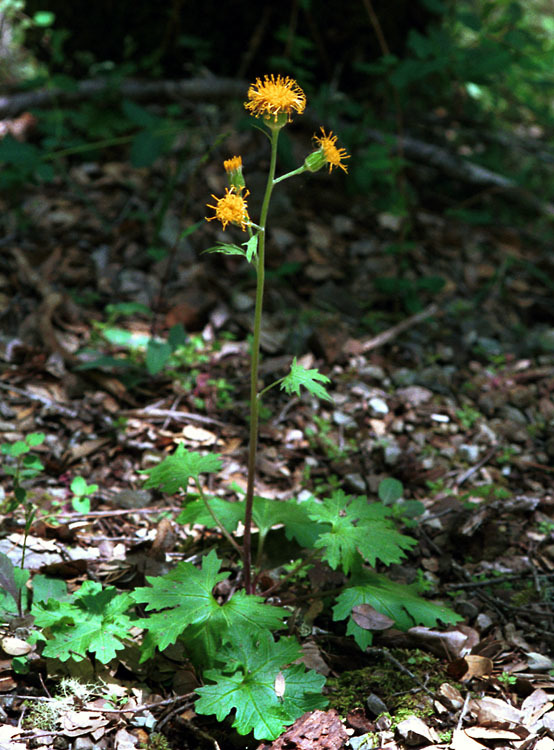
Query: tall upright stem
point(254, 367)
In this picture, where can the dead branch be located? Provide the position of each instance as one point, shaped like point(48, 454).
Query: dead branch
point(193, 89)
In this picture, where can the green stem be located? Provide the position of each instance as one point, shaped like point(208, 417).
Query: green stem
point(218, 523)
point(254, 366)
point(269, 387)
point(290, 174)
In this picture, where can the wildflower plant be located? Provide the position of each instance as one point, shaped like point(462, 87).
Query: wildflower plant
point(248, 668)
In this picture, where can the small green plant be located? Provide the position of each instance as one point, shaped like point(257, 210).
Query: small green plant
point(468, 416)
point(24, 465)
point(237, 642)
point(81, 494)
point(319, 438)
point(507, 679)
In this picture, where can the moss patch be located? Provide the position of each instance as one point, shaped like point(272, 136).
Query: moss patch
point(393, 687)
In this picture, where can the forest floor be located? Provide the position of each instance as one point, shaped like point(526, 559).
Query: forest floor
point(456, 402)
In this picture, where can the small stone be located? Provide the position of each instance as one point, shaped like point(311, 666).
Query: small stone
point(483, 622)
point(404, 376)
point(375, 705)
point(378, 406)
point(392, 453)
point(372, 371)
point(469, 452)
point(513, 414)
point(343, 419)
point(415, 394)
point(355, 482)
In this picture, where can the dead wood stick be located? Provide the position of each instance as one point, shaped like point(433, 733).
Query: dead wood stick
point(193, 89)
point(354, 346)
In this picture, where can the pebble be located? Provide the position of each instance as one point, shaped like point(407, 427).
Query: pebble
point(372, 371)
point(392, 453)
point(378, 406)
point(404, 376)
point(355, 482)
point(469, 452)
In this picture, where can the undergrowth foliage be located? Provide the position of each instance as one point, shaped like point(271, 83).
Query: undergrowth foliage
point(249, 665)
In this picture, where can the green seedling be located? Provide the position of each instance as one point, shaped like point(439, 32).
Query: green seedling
point(81, 494)
point(24, 465)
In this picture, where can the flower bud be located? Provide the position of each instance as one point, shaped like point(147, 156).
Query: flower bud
point(315, 161)
point(233, 167)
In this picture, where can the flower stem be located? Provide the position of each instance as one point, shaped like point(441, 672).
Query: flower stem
point(254, 366)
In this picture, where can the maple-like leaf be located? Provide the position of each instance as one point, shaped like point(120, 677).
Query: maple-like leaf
point(195, 511)
point(94, 620)
point(400, 602)
point(175, 471)
point(185, 596)
point(357, 528)
point(247, 685)
point(298, 376)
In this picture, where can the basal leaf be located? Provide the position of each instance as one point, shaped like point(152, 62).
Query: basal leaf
point(174, 472)
point(247, 686)
point(185, 595)
point(400, 602)
point(93, 620)
point(299, 376)
point(357, 528)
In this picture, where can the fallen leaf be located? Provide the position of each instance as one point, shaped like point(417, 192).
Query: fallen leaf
point(368, 618)
point(461, 741)
point(493, 710)
point(491, 733)
point(15, 646)
point(415, 731)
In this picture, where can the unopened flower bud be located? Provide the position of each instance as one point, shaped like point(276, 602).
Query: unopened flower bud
point(233, 167)
point(315, 161)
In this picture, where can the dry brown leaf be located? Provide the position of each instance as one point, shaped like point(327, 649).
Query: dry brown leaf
point(491, 733)
point(450, 696)
point(368, 618)
point(77, 723)
point(461, 741)
point(15, 646)
point(535, 706)
point(477, 666)
point(415, 731)
point(8, 738)
point(455, 642)
point(493, 711)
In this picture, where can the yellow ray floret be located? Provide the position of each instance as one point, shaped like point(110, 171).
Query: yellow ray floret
point(332, 154)
point(275, 96)
point(231, 209)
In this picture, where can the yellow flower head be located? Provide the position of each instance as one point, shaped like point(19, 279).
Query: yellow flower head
point(333, 155)
point(233, 165)
point(231, 209)
point(275, 96)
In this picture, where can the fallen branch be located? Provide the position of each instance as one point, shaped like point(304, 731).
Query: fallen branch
point(193, 89)
point(354, 346)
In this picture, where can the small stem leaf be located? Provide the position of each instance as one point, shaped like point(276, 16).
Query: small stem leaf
point(299, 376)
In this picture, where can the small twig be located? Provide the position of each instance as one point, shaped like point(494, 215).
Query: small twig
point(472, 469)
point(495, 581)
point(119, 512)
point(163, 414)
point(41, 399)
point(463, 712)
point(359, 347)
